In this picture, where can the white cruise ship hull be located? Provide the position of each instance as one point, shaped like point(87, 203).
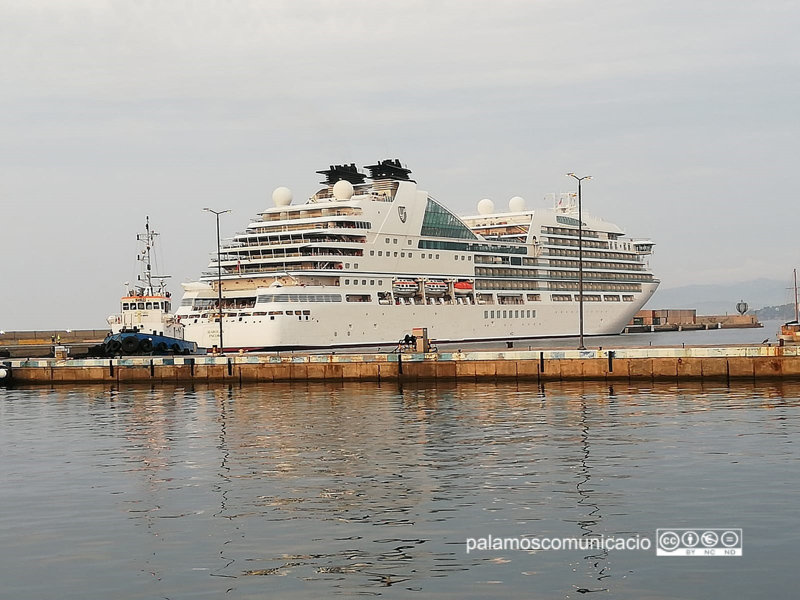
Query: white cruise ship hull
point(343, 324)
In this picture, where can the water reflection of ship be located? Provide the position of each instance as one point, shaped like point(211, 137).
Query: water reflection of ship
point(342, 465)
point(150, 430)
point(587, 500)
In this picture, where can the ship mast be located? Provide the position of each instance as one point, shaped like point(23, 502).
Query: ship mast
point(796, 306)
point(148, 239)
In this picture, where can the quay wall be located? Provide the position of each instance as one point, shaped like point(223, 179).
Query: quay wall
point(10, 338)
point(675, 364)
point(729, 321)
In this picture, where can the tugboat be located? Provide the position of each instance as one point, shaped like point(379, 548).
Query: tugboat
point(145, 324)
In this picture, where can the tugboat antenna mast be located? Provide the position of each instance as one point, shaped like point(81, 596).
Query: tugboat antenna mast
point(148, 239)
point(148, 245)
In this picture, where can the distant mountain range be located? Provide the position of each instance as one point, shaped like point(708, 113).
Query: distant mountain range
point(722, 299)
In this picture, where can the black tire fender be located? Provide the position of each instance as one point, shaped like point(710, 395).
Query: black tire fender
point(130, 344)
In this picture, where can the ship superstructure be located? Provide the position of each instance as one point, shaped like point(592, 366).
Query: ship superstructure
point(371, 256)
point(145, 323)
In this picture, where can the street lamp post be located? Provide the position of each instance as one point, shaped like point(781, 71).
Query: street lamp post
point(217, 213)
point(580, 257)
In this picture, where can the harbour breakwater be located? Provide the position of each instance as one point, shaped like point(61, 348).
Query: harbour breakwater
point(652, 363)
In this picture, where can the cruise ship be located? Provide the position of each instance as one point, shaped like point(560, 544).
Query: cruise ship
point(371, 256)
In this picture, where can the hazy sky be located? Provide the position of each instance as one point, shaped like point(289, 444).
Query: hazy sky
point(685, 112)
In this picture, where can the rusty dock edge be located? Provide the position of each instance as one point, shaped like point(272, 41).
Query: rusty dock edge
point(675, 364)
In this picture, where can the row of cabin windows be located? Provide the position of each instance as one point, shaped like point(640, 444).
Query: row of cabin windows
point(507, 299)
point(509, 314)
point(311, 214)
point(363, 282)
point(470, 247)
point(574, 242)
point(411, 255)
point(330, 224)
point(500, 284)
point(516, 261)
point(146, 306)
point(595, 287)
point(488, 271)
point(482, 298)
point(563, 231)
point(302, 315)
point(503, 260)
point(251, 242)
point(263, 298)
point(589, 264)
point(593, 254)
point(600, 275)
point(589, 298)
point(198, 304)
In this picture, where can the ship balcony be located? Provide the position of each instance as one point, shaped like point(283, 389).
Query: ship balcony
point(573, 242)
point(245, 269)
point(512, 237)
point(630, 258)
point(232, 260)
point(571, 234)
point(600, 277)
point(315, 226)
point(306, 213)
point(593, 266)
point(352, 238)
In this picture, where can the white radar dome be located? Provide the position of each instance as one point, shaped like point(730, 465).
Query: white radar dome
point(516, 204)
point(282, 196)
point(343, 190)
point(486, 206)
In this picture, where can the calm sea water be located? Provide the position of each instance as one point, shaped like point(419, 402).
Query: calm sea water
point(291, 491)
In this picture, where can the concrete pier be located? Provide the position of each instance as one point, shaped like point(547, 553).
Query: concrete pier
point(674, 364)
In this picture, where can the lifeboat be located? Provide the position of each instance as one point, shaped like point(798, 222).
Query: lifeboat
point(405, 287)
point(462, 287)
point(435, 288)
